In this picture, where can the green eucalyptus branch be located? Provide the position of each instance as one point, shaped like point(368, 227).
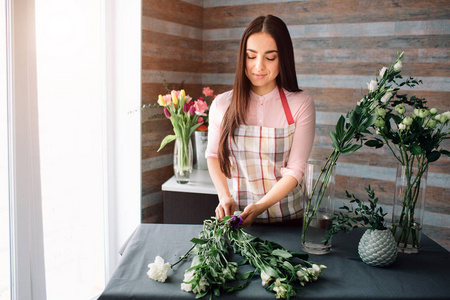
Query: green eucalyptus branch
point(358, 215)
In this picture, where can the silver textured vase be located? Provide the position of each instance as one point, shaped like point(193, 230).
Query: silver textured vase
point(377, 248)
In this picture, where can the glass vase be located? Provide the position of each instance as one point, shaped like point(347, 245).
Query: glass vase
point(318, 209)
point(182, 160)
point(409, 205)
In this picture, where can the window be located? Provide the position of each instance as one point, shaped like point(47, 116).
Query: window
point(69, 58)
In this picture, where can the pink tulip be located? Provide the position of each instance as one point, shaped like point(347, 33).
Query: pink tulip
point(167, 113)
point(185, 107)
point(192, 110)
point(167, 99)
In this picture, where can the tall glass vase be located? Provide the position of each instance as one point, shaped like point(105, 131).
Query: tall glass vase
point(409, 205)
point(182, 160)
point(318, 209)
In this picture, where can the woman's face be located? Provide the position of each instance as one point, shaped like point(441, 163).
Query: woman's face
point(261, 63)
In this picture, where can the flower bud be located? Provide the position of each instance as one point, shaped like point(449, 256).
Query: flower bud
point(380, 112)
point(386, 97)
point(182, 94)
point(423, 113)
point(161, 101)
point(431, 124)
point(407, 121)
point(398, 66)
point(192, 110)
point(185, 107)
point(402, 126)
point(400, 108)
point(433, 111)
point(372, 86)
point(379, 122)
point(174, 98)
point(167, 113)
point(382, 72)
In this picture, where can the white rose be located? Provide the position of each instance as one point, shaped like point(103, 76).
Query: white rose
point(158, 269)
point(407, 121)
point(372, 86)
point(398, 66)
point(382, 72)
point(386, 97)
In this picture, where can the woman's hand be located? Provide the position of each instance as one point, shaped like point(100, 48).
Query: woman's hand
point(250, 213)
point(225, 207)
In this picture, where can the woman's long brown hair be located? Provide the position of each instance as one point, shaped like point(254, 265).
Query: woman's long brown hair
point(287, 79)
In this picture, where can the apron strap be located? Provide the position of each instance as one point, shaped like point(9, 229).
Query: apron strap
point(287, 110)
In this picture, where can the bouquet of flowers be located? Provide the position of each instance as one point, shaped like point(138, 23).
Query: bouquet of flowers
point(212, 272)
point(350, 131)
point(413, 133)
point(184, 115)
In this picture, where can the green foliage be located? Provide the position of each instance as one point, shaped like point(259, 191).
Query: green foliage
point(215, 274)
point(359, 215)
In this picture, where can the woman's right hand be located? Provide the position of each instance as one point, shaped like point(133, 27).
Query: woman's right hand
point(225, 207)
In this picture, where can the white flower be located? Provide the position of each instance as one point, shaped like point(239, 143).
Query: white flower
point(386, 97)
point(201, 287)
point(301, 275)
point(379, 122)
point(431, 124)
point(382, 72)
point(398, 66)
point(280, 289)
point(400, 108)
point(380, 112)
point(359, 102)
point(372, 86)
point(402, 126)
point(433, 111)
point(188, 276)
point(407, 121)
point(158, 269)
point(264, 278)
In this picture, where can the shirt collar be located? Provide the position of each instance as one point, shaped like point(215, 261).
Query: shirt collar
point(266, 96)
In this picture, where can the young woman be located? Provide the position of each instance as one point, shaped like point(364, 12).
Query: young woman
point(261, 133)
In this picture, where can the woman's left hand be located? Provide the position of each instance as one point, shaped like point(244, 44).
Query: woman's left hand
point(250, 213)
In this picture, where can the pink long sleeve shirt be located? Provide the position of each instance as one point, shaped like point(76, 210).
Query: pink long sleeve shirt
point(267, 111)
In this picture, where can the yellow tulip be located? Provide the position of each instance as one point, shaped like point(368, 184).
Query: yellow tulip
point(161, 100)
point(182, 94)
point(174, 98)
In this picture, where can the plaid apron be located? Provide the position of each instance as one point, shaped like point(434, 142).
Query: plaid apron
point(257, 156)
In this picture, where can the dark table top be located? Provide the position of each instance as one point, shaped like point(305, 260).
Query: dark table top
point(425, 275)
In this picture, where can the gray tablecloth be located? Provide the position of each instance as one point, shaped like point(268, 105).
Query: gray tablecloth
point(415, 276)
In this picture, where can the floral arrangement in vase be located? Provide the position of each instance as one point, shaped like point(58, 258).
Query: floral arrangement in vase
point(413, 132)
point(184, 114)
point(212, 272)
point(377, 246)
point(373, 111)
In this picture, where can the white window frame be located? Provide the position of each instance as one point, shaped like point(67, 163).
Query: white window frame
point(122, 82)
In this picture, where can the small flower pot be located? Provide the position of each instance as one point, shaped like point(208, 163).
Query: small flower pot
point(377, 248)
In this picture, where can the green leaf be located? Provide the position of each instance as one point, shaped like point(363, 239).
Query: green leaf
point(416, 150)
point(166, 140)
point(433, 156)
point(340, 127)
point(199, 241)
point(374, 143)
point(351, 148)
point(334, 139)
point(269, 271)
point(281, 253)
point(445, 152)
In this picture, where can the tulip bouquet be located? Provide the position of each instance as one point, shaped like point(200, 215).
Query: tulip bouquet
point(213, 272)
point(413, 133)
point(184, 115)
point(351, 131)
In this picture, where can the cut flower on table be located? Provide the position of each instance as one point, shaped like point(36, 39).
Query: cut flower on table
point(212, 272)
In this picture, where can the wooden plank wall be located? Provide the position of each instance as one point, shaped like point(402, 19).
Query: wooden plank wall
point(339, 46)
